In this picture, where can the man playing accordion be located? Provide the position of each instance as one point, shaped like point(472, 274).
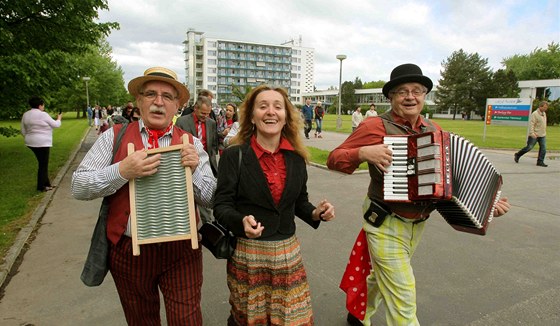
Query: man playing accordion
point(392, 229)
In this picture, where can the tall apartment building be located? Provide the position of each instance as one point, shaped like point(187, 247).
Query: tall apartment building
point(219, 64)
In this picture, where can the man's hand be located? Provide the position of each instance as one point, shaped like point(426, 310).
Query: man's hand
point(138, 164)
point(378, 155)
point(189, 156)
point(502, 207)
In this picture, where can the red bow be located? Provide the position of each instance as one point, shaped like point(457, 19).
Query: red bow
point(154, 135)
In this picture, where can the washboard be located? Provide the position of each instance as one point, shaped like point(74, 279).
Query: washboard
point(162, 205)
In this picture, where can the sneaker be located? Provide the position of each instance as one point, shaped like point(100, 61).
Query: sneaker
point(542, 164)
point(516, 158)
point(353, 321)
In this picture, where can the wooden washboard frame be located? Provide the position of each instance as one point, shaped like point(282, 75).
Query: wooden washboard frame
point(158, 202)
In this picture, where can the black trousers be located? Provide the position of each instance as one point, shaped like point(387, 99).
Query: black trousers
point(42, 155)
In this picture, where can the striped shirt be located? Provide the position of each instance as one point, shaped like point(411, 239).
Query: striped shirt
point(96, 177)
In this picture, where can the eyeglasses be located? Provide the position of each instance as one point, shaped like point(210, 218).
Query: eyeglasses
point(405, 93)
point(151, 95)
point(135, 118)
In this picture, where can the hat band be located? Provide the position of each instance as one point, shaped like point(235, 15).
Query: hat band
point(161, 74)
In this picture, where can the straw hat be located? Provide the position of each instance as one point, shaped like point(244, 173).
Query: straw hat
point(161, 74)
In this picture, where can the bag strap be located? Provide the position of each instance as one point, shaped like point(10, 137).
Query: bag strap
point(239, 164)
point(118, 140)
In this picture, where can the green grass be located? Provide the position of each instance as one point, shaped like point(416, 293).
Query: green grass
point(18, 168)
point(499, 137)
point(502, 137)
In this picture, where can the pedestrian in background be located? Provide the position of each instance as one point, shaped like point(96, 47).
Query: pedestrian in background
point(537, 134)
point(319, 114)
point(37, 128)
point(307, 113)
point(357, 118)
point(89, 115)
point(371, 112)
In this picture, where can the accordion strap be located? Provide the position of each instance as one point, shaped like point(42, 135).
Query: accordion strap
point(387, 118)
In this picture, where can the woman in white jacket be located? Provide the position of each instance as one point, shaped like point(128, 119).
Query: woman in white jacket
point(36, 127)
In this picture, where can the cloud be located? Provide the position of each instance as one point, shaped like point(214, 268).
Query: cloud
point(375, 35)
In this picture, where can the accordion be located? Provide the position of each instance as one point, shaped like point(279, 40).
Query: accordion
point(447, 169)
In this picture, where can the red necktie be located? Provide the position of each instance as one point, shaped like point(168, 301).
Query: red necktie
point(199, 130)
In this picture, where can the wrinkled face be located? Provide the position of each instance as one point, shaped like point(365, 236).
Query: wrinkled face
point(269, 113)
point(229, 112)
point(407, 100)
point(158, 103)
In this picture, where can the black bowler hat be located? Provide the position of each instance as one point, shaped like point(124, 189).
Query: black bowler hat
point(406, 73)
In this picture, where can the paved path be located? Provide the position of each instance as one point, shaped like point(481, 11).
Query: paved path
point(508, 277)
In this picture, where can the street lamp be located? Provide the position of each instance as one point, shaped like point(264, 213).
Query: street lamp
point(339, 118)
point(86, 79)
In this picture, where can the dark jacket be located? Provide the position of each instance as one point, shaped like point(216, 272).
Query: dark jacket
point(243, 190)
point(187, 124)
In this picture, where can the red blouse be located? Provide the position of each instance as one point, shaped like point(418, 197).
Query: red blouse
point(273, 166)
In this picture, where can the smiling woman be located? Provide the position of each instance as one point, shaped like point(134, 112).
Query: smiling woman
point(262, 186)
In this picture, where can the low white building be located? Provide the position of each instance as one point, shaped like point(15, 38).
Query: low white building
point(529, 88)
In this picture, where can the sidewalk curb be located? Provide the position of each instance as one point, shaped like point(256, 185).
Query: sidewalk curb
point(14, 253)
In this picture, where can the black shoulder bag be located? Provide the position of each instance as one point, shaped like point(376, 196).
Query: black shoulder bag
point(97, 261)
point(216, 238)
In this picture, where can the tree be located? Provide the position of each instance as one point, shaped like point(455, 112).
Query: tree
point(539, 64)
point(358, 83)
point(504, 84)
point(465, 83)
point(374, 84)
point(106, 86)
point(347, 96)
point(37, 36)
point(240, 92)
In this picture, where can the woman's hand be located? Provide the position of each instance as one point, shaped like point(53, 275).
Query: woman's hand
point(253, 229)
point(323, 212)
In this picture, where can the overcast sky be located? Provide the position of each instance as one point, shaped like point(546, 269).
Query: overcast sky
point(375, 35)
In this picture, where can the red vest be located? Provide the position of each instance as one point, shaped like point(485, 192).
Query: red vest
point(119, 204)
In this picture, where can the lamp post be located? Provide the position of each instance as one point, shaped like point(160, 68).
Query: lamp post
point(339, 118)
point(86, 79)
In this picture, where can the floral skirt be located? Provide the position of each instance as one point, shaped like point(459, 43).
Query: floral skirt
point(268, 284)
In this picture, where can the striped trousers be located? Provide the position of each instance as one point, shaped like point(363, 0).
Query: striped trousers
point(392, 281)
point(173, 268)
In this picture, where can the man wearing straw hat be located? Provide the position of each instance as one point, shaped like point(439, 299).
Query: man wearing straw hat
point(173, 268)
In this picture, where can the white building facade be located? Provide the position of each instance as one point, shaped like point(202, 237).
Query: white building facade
point(219, 65)
point(549, 89)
